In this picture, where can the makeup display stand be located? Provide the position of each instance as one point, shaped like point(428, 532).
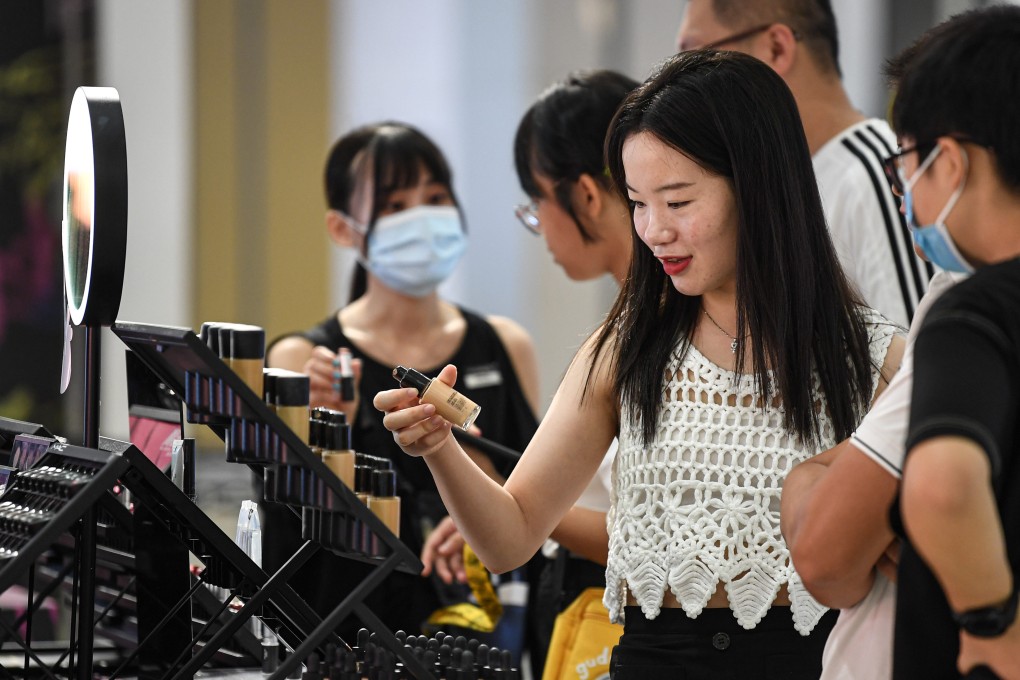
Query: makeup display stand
point(69, 485)
point(256, 436)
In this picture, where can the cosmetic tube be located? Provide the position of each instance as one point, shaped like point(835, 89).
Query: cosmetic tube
point(449, 403)
point(346, 381)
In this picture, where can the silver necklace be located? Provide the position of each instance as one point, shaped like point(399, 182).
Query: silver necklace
point(733, 344)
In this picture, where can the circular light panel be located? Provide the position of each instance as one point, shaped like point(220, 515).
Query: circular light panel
point(95, 206)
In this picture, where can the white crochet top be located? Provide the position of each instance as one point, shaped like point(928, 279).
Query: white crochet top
point(701, 504)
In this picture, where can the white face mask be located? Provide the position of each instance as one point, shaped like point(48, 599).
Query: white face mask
point(415, 250)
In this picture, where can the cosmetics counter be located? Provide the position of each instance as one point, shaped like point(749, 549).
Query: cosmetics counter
point(168, 620)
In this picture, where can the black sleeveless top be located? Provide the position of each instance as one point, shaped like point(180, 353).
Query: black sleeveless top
point(403, 601)
point(485, 375)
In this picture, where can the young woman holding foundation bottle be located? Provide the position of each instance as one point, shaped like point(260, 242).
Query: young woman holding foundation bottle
point(735, 349)
point(558, 153)
point(390, 198)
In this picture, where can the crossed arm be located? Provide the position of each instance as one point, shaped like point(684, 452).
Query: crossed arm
point(835, 506)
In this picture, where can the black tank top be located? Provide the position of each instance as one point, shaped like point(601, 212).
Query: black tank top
point(403, 601)
point(485, 374)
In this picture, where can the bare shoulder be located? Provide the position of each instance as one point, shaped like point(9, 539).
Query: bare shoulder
point(521, 349)
point(591, 371)
point(291, 352)
point(511, 333)
point(891, 364)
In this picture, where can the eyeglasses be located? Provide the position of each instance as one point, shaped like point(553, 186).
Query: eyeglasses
point(527, 213)
point(891, 164)
point(736, 37)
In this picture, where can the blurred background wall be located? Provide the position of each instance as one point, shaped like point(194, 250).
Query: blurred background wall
point(230, 107)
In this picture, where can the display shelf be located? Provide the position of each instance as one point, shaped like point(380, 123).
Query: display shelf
point(190, 368)
point(43, 504)
point(174, 353)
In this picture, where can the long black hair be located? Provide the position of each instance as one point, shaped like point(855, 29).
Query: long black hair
point(389, 154)
point(733, 116)
point(562, 134)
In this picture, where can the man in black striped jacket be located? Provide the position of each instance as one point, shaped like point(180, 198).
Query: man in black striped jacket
point(798, 39)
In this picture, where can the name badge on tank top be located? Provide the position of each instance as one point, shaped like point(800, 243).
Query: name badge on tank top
point(485, 375)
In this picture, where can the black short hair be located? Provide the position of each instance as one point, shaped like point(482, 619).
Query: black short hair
point(963, 78)
point(812, 20)
point(561, 136)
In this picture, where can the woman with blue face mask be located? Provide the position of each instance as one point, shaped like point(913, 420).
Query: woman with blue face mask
point(390, 199)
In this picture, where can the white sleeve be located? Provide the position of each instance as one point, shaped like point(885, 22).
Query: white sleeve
point(596, 494)
point(882, 434)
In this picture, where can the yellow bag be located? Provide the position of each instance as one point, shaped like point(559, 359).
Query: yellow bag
point(582, 640)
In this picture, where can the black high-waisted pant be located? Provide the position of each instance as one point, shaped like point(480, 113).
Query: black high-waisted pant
point(715, 647)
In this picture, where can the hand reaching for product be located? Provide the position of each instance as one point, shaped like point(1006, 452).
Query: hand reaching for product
point(329, 386)
point(444, 552)
point(417, 428)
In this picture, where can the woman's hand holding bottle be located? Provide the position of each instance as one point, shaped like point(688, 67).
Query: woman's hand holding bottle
point(416, 427)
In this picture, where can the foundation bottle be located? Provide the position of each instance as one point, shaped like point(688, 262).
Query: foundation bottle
point(384, 501)
point(245, 352)
point(292, 395)
point(315, 433)
point(362, 477)
point(269, 387)
point(449, 403)
point(337, 453)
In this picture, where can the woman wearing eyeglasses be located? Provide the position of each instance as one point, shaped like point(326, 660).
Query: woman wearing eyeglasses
point(390, 198)
point(558, 153)
point(735, 350)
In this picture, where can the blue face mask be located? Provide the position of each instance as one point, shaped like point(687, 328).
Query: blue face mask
point(934, 239)
point(415, 250)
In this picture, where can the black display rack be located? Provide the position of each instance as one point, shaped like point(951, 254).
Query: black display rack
point(256, 436)
point(44, 503)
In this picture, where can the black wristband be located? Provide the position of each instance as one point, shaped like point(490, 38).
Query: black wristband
point(992, 621)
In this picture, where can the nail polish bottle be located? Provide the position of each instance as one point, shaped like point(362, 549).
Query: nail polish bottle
point(449, 403)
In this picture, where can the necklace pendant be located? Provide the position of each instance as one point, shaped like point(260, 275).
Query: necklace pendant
point(733, 346)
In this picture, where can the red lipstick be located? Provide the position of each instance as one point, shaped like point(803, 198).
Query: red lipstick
point(674, 265)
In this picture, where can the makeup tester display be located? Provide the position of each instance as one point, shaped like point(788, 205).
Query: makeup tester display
point(346, 500)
